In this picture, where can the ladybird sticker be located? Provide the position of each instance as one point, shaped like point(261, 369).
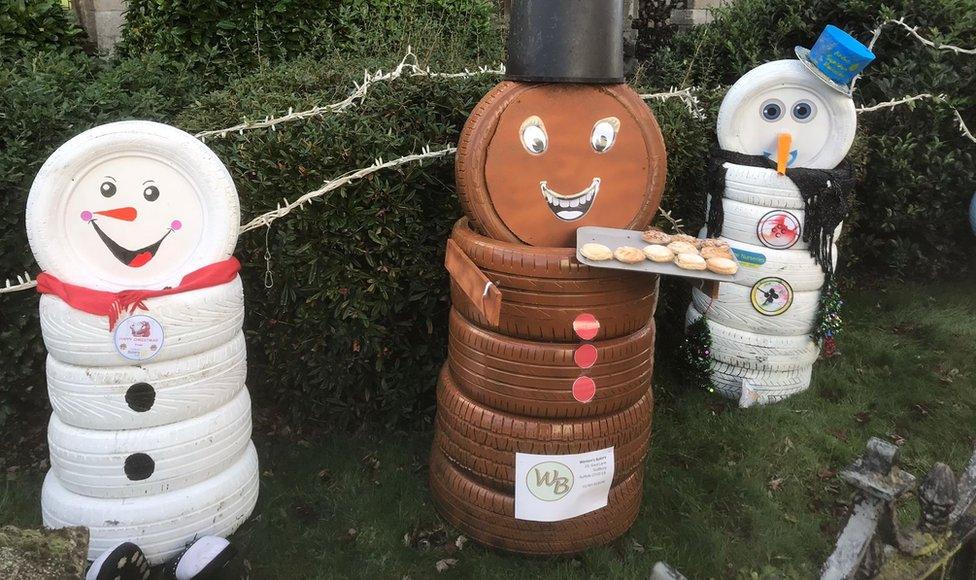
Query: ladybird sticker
point(779, 230)
point(772, 296)
point(139, 337)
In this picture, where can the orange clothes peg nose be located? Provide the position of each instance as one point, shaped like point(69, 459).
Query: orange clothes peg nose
point(783, 152)
point(120, 213)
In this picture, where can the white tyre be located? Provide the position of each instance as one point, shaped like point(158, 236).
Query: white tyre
point(761, 186)
point(133, 204)
point(760, 352)
point(137, 397)
point(769, 307)
point(758, 388)
point(795, 266)
point(188, 323)
point(776, 229)
point(142, 462)
point(162, 525)
point(783, 97)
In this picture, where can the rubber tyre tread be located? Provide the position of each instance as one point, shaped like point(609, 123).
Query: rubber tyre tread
point(487, 516)
point(758, 351)
point(483, 442)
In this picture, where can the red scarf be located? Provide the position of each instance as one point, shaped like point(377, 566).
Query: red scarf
point(115, 304)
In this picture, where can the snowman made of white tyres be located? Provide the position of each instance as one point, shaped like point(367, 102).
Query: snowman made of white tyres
point(150, 435)
point(762, 349)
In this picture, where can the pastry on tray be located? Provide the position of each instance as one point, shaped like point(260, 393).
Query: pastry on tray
point(629, 255)
point(596, 252)
point(658, 253)
point(684, 238)
point(722, 266)
point(681, 247)
point(690, 262)
point(716, 252)
point(653, 236)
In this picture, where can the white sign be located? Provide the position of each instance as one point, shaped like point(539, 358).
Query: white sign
point(139, 337)
point(551, 488)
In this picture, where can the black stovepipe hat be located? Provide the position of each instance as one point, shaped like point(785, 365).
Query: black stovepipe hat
point(566, 41)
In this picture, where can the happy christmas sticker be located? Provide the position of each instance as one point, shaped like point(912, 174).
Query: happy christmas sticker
point(139, 337)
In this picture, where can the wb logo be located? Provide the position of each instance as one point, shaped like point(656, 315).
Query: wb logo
point(550, 481)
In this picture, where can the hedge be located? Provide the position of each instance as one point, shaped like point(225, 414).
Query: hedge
point(353, 327)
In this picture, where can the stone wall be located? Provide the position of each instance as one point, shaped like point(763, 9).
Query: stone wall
point(102, 20)
point(698, 12)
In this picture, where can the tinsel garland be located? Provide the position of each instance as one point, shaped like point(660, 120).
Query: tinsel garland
point(696, 355)
point(829, 321)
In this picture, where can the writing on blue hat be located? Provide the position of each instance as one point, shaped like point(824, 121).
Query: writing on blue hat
point(839, 55)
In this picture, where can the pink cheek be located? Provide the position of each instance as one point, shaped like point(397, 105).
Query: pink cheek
point(86, 216)
point(177, 224)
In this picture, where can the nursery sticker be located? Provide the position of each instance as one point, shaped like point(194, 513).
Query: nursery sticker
point(139, 337)
point(551, 488)
point(779, 230)
point(772, 296)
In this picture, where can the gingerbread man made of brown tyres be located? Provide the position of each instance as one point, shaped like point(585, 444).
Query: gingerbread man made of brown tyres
point(547, 356)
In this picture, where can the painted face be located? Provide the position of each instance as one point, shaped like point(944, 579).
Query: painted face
point(133, 204)
point(133, 212)
point(559, 157)
point(782, 111)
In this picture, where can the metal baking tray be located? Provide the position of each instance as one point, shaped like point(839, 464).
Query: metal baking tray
point(613, 238)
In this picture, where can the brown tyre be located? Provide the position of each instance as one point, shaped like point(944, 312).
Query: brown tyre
point(488, 516)
point(536, 379)
point(545, 289)
point(483, 442)
point(531, 167)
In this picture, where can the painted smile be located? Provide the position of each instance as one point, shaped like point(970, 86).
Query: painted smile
point(131, 258)
point(790, 162)
point(570, 207)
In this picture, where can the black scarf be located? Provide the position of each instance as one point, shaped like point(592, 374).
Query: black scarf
point(826, 197)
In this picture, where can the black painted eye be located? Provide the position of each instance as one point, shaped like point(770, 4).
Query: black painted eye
point(107, 189)
point(151, 193)
point(804, 111)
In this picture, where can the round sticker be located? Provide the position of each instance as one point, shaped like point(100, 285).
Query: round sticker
point(585, 356)
point(779, 230)
point(584, 389)
point(586, 326)
point(139, 337)
point(550, 480)
point(772, 296)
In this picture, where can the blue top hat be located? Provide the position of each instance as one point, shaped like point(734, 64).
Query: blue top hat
point(836, 58)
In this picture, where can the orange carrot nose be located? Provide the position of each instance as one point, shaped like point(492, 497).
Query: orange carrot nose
point(784, 140)
point(120, 213)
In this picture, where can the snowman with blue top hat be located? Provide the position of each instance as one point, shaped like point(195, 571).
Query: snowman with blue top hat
point(780, 191)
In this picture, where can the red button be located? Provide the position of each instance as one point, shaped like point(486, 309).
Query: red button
point(585, 356)
point(584, 389)
point(586, 326)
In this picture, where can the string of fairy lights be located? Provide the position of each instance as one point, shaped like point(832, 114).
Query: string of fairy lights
point(409, 67)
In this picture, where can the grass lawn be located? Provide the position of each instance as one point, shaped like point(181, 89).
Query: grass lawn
point(727, 492)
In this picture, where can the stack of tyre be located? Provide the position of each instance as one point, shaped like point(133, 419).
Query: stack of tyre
point(542, 382)
point(761, 323)
point(150, 451)
point(153, 448)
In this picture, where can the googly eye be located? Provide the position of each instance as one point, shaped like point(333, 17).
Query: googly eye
point(605, 134)
point(151, 193)
point(107, 188)
point(772, 110)
point(803, 111)
point(534, 137)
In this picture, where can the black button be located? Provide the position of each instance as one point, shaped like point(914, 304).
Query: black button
point(139, 466)
point(140, 397)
